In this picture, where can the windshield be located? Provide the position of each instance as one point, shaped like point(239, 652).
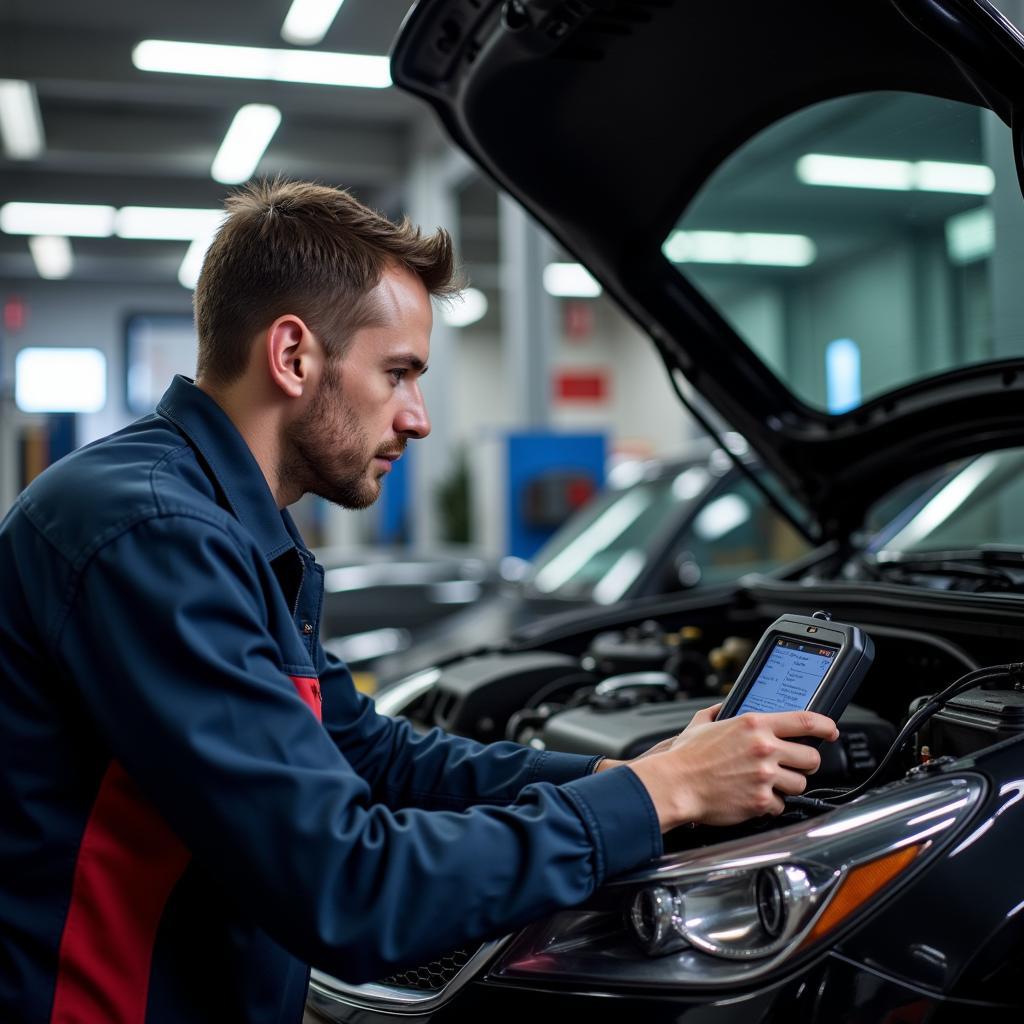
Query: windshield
point(979, 506)
point(610, 538)
point(862, 244)
point(674, 528)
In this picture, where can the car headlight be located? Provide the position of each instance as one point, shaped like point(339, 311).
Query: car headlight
point(733, 912)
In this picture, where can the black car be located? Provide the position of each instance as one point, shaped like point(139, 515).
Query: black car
point(813, 210)
point(382, 609)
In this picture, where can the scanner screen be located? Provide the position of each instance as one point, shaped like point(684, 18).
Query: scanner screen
point(789, 677)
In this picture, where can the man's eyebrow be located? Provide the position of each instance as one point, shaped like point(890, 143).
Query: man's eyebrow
point(413, 362)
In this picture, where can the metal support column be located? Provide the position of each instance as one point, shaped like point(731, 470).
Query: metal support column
point(435, 175)
point(529, 315)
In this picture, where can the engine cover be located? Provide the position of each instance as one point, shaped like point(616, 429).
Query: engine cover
point(475, 696)
point(864, 737)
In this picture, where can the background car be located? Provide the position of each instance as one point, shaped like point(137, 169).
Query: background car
point(780, 203)
point(378, 605)
point(658, 528)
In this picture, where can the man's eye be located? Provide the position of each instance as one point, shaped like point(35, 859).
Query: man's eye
point(398, 374)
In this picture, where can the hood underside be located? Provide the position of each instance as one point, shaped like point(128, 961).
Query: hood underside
point(605, 117)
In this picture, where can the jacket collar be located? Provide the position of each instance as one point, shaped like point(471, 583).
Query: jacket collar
point(231, 463)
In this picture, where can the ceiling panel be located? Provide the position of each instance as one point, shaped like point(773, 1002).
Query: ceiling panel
point(121, 136)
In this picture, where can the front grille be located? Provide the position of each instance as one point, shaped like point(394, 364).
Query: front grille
point(430, 977)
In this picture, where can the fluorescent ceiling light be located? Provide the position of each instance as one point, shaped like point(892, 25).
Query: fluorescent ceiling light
point(21, 125)
point(168, 223)
point(307, 21)
point(192, 264)
point(465, 308)
point(69, 219)
point(740, 247)
point(311, 67)
point(52, 256)
point(895, 175)
point(971, 235)
point(967, 179)
point(570, 281)
point(57, 219)
point(60, 380)
point(246, 141)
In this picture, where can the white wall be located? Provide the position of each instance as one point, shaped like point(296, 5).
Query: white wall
point(642, 410)
point(641, 416)
point(74, 315)
point(87, 315)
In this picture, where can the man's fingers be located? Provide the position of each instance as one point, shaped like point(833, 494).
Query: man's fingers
point(800, 757)
point(706, 715)
point(790, 783)
point(801, 723)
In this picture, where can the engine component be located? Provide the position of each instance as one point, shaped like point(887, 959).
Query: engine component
point(476, 696)
point(634, 688)
point(864, 736)
point(648, 648)
point(688, 663)
point(643, 648)
point(726, 662)
point(973, 720)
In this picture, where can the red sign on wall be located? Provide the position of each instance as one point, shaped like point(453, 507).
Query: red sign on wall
point(581, 386)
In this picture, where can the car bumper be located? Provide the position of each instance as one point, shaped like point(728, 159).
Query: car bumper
point(835, 990)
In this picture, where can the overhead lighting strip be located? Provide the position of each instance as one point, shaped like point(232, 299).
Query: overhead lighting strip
point(246, 141)
point(51, 224)
point(80, 221)
point(469, 306)
point(307, 21)
point(52, 256)
point(307, 67)
point(21, 124)
point(164, 223)
point(570, 281)
point(895, 175)
point(749, 248)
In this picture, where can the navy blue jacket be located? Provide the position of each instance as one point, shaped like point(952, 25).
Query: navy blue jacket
point(196, 801)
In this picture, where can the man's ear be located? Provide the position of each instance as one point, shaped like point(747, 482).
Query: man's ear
point(293, 355)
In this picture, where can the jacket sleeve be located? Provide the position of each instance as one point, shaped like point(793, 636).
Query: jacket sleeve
point(165, 639)
point(435, 770)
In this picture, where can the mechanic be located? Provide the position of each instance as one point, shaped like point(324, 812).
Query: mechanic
point(197, 801)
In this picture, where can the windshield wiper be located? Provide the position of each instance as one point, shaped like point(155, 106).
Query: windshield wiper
point(986, 566)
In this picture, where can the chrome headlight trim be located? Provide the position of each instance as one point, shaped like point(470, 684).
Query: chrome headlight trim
point(909, 823)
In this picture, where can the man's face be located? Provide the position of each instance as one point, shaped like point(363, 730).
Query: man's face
point(368, 403)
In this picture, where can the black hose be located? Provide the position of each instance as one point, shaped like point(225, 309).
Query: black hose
point(966, 682)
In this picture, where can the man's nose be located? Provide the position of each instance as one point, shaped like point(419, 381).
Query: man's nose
point(412, 420)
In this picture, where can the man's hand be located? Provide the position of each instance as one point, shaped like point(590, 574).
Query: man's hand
point(721, 773)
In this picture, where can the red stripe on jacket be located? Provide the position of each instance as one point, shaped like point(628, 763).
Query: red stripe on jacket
point(309, 690)
point(128, 862)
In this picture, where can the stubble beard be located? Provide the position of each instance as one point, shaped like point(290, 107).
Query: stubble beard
point(328, 454)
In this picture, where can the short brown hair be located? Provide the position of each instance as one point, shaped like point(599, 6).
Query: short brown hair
point(302, 248)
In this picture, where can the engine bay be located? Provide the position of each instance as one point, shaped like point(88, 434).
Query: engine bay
point(619, 691)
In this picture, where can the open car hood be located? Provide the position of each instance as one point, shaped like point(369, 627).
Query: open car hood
point(605, 117)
